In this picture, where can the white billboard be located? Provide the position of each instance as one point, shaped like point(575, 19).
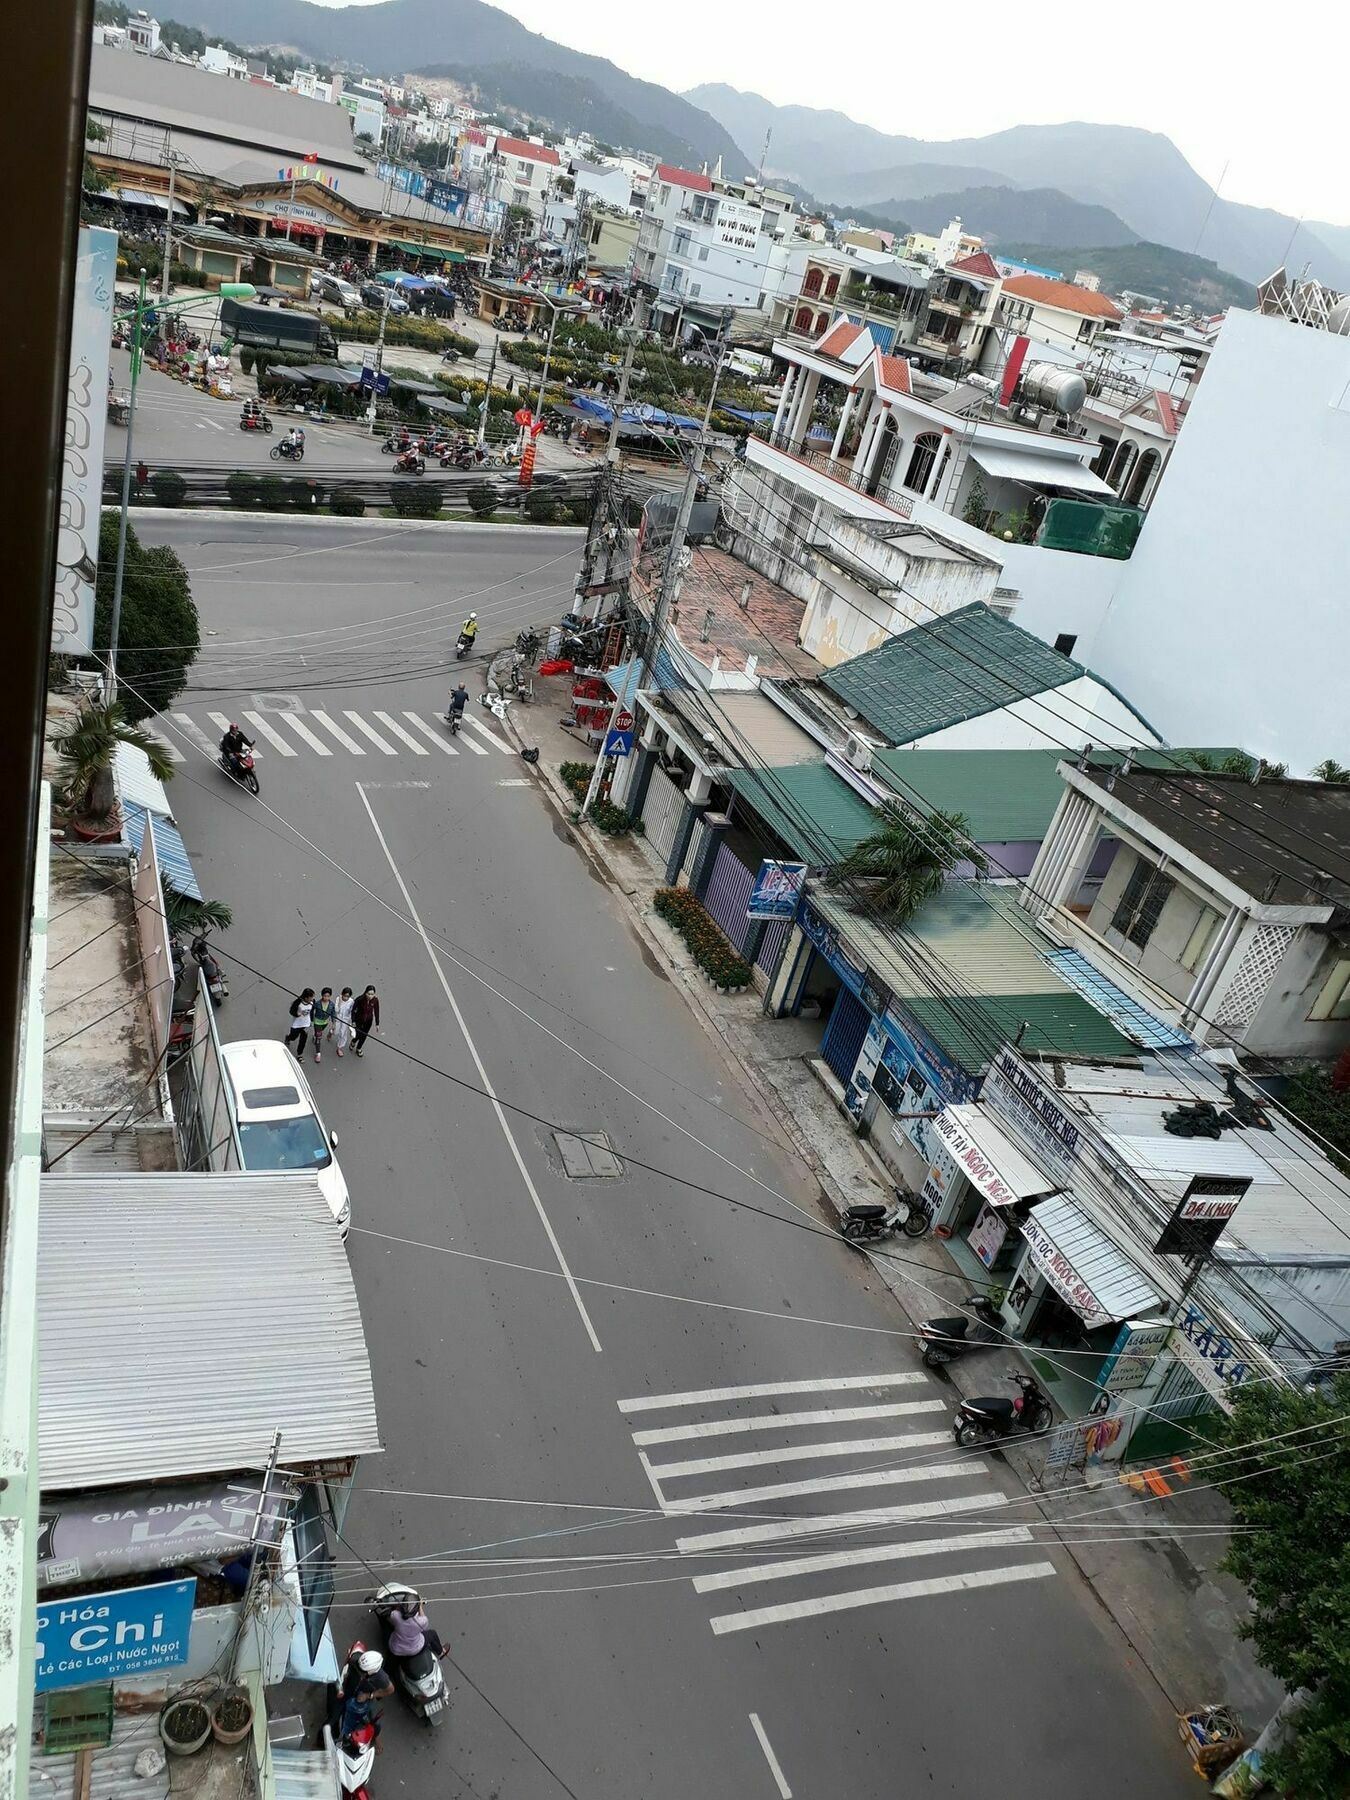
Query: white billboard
point(82, 461)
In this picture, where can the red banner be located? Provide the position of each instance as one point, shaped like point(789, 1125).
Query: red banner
point(527, 464)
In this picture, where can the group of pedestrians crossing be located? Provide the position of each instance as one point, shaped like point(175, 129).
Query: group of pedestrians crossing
point(345, 1022)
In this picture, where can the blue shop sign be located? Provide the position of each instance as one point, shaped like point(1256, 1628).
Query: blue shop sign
point(110, 1636)
point(777, 892)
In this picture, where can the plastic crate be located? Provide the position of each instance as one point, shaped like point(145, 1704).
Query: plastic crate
point(79, 1720)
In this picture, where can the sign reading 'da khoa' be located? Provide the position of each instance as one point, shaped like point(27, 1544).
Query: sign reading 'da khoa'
point(113, 1636)
point(129, 1530)
point(1202, 1214)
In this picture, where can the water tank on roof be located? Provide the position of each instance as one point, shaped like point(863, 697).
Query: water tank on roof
point(1338, 319)
point(1053, 387)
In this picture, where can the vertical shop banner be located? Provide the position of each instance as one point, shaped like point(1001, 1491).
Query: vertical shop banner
point(82, 461)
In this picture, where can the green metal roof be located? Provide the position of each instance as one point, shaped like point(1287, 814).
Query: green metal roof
point(957, 667)
point(969, 968)
point(1007, 795)
point(815, 813)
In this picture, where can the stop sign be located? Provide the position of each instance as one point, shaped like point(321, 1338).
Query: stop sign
point(623, 721)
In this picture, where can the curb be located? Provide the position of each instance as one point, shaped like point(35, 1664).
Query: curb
point(217, 513)
point(770, 1103)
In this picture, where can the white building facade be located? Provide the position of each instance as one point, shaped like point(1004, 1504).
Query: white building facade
point(707, 245)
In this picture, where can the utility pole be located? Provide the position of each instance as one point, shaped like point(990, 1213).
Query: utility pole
point(487, 394)
point(168, 229)
point(290, 214)
point(255, 1530)
point(379, 364)
point(636, 331)
point(115, 625)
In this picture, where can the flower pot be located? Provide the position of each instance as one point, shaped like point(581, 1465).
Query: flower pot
point(232, 1717)
point(184, 1726)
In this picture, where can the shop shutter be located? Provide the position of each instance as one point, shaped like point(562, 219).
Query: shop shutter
point(728, 894)
point(661, 815)
point(845, 1033)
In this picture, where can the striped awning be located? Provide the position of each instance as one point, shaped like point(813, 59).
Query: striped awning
point(170, 850)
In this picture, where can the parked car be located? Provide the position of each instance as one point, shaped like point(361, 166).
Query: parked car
point(335, 290)
point(280, 1131)
point(373, 295)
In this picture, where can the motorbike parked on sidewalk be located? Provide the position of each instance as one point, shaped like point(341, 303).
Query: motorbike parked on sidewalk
point(869, 1224)
point(418, 1678)
point(240, 769)
point(946, 1340)
point(356, 1759)
point(216, 984)
point(991, 1417)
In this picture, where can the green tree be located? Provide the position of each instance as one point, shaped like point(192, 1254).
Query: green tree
point(160, 633)
point(1320, 1098)
point(905, 861)
point(93, 180)
point(1290, 1495)
point(1331, 770)
point(87, 752)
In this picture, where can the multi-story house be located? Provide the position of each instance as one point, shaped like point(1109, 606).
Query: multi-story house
point(884, 292)
point(962, 306)
point(219, 61)
point(519, 172)
point(143, 34)
point(1065, 314)
point(708, 245)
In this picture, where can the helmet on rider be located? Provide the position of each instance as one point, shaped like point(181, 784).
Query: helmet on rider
point(370, 1662)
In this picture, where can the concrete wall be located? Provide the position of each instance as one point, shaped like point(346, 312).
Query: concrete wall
point(1281, 1026)
point(1082, 711)
point(1158, 959)
point(1245, 551)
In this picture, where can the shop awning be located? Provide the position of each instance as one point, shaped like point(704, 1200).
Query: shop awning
point(299, 228)
point(623, 678)
point(453, 409)
point(1038, 470)
point(433, 250)
point(989, 1159)
point(144, 197)
point(175, 867)
point(330, 374)
point(1083, 1266)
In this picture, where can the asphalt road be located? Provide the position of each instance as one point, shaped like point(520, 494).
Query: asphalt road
point(525, 1328)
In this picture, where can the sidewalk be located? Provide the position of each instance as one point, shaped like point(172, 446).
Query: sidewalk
point(1177, 1614)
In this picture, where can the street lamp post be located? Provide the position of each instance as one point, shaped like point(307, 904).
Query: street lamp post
point(379, 363)
point(229, 290)
point(548, 351)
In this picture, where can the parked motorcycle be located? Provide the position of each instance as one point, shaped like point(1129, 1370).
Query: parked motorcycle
point(989, 1418)
point(240, 768)
point(869, 1224)
point(286, 451)
point(945, 1340)
point(356, 1758)
point(216, 984)
point(418, 1678)
point(411, 462)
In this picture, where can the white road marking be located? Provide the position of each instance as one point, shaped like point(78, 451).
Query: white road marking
point(820, 1524)
point(468, 743)
point(775, 1767)
point(751, 1459)
point(260, 725)
point(902, 1590)
point(167, 745)
point(484, 1078)
point(818, 1484)
point(491, 736)
point(344, 738)
point(511, 782)
point(655, 1484)
point(439, 738)
point(299, 727)
point(837, 1415)
point(370, 731)
point(399, 732)
point(195, 735)
point(758, 1390)
point(852, 1559)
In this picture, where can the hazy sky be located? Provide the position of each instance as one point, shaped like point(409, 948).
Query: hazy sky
point(1230, 85)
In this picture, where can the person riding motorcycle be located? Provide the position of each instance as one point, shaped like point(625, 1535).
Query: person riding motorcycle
point(468, 631)
point(294, 440)
point(459, 699)
point(233, 744)
point(364, 1681)
point(410, 1632)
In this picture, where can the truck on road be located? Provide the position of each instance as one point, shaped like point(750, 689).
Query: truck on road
point(277, 328)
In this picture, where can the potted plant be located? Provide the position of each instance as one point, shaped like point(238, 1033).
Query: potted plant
point(232, 1717)
point(184, 1725)
point(87, 751)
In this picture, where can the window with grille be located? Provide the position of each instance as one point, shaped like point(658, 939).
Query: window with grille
point(1140, 906)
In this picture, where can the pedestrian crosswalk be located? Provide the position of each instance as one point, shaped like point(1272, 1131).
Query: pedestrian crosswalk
point(888, 1434)
point(319, 731)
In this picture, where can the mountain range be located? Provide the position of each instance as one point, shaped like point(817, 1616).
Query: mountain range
point(1138, 176)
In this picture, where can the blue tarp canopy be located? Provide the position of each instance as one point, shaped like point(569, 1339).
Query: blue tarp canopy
point(174, 868)
point(746, 416)
point(637, 418)
point(623, 678)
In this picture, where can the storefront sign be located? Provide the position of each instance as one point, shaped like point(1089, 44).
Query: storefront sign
point(113, 1636)
point(1061, 1274)
point(938, 1181)
point(986, 1236)
point(777, 892)
point(1215, 1361)
point(82, 460)
point(1132, 1357)
point(1014, 1092)
point(973, 1163)
point(737, 224)
point(128, 1530)
point(1202, 1214)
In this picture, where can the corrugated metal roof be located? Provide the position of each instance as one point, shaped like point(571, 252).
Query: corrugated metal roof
point(960, 666)
point(185, 1318)
point(623, 678)
point(175, 866)
point(1136, 1021)
point(764, 731)
point(137, 784)
point(1118, 1288)
point(1007, 795)
point(112, 1769)
point(304, 1775)
point(976, 941)
point(816, 814)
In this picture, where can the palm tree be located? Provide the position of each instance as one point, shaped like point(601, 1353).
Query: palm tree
point(87, 751)
point(193, 916)
point(905, 861)
point(1332, 771)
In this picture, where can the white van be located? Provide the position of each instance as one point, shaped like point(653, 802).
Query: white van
point(280, 1131)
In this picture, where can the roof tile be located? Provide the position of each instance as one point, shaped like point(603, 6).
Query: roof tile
point(509, 146)
point(686, 178)
point(838, 338)
point(1068, 297)
point(893, 373)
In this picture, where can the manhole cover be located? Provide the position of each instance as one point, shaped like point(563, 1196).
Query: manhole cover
point(586, 1157)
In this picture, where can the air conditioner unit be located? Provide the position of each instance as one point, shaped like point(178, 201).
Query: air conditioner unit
point(858, 750)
